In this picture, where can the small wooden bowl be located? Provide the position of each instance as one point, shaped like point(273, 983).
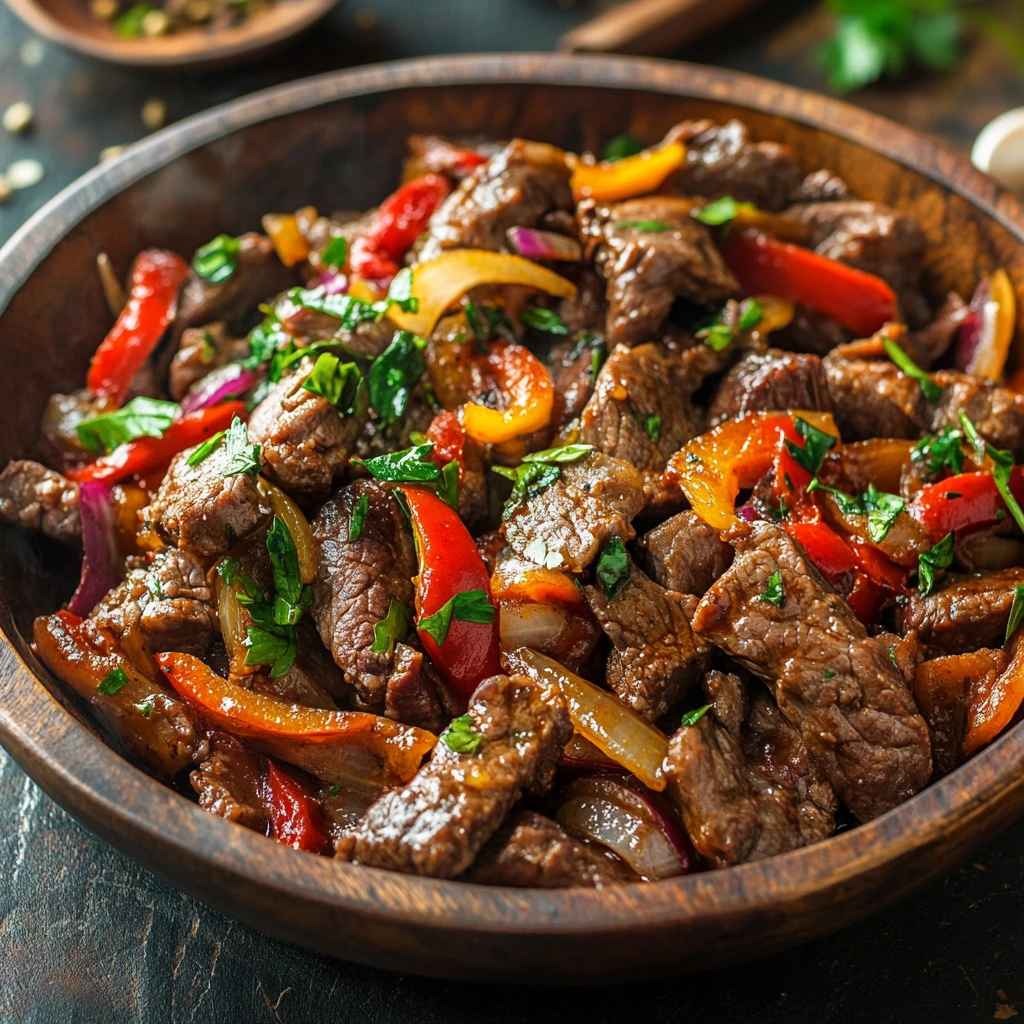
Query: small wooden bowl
point(337, 141)
point(69, 23)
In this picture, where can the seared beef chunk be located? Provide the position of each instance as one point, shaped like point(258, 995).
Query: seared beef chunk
point(646, 271)
point(413, 698)
point(567, 523)
point(997, 412)
point(727, 694)
point(169, 602)
point(305, 440)
point(200, 507)
point(811, 331)
point(229, 783)
point(747, 799)
point(356, 582)
point(203, 350)
point(656, 657)
point(821, 187)
point(570, 363)
point(59, 442)
point(722, 161)
point(929, 344)
point(832, 681)
point(685, 554)
point(967, 611)
point(533, 852)
point(771, 380)
point(992, 547)
point(36, 498)
point(306, 326)
point(438, 823)
point(640, 412)
point(874, 238)
point(517, 187)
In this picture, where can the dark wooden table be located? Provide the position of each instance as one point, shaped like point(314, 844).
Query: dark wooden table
point(86, 936)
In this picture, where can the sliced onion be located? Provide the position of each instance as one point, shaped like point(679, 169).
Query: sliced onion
point(629, 822)
point(532, 625)
point(219, 385)
point(113, 292)
point(580, 756)
point(101, 565)
point(983, 341)
point(302, 536)
point(544, 245)
point(333, 282)
point(233, 629)
point(601, 718)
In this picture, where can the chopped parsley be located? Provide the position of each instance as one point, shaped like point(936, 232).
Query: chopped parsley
point(218, 259)
point(653, 426)
point(718, 336)
point(336, 253)
point(827, 674)
point(931, 391)
point(720, 211)
point(654, 227)
point(538, 471)
point(112, 682)
point(773, 589)
point(488, 322)
point(392, 628)
point(816, 446)
point(243, 457)
point(892, 656)
point(461, 737)
point(276, 649)
point(620, 147)
point(544, 320)
point(145, 707)
point(227, 569)
point(128, 25)
point(613, 568)
point(337, 382)
point(141, 417)
point(751, 314)
point(291, 596)
point(694, 716)
point(471, 606)
point(413, 465)
point(941, 452)
point(1016, 611)
point(359, 510)
point(394, 374)
point(880, 508)
point(931, 561)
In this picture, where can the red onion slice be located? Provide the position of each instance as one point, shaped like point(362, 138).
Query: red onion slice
point(333, 282)
point(544, 245)
point(976, 330)
point(101, 565)
point(220, 385)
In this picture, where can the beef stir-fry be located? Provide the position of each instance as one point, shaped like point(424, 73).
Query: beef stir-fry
point(558, 522)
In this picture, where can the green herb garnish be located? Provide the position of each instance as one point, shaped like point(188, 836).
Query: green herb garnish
point(620, 147)
point(336, 253)
point(694, 716)
point(816, 446)
point(335, 381)
point(773, 589)
point(1016, 611)
point(394, 374)
point(717, 336)
point(359, 510)
point(751, 314)
point(720, 211)
point(543, 320)
point(392, 628)
point(112, 682)
point(880, 508)
point(129, 24)
point(613, 568)
point(929, 562)
point(472, 606)
point(227, 569)
point(931, 391)
point(218, 259)
point(827, 674)
point(940, 453)
point(653, 426)
point(410, 465)
point(538, 471)
point(141, 417)
point(654, 227)
point(461, 737)
point(1002, 466)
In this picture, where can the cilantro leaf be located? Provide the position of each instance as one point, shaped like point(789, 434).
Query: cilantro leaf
point(411, 465)
point(112, 682)
point(719, 211)
point(243, 455)
point(1016, 611)
point(598, 356)
point(461, 737)
point(880, 508)
point(265, 340)
point(543, 320)
point(751, 314)
point(940, 453)
point(620, 147)
point(653, 426)
point(471, 606)
point(773, 589)
point(828, 673)
point(141, 417)
point(206, 449)
point(488, 322)
point(565, 454)
point(654, 227)
point(694, 716)
point(128, 25)
point(284, 562)
point(336, 253)
point(538, 471)
point(400, 293)
point(940, 556)
point(359, 510)
point(346, 308)
point(335, 381)
point(816, 446)
point(277, 650)
point(392, 628)
point(394, 374)
point(448, 484)
point(227, 569)
point(931, 391)
point(217, 260)
point(613, 568)
point(717, 336)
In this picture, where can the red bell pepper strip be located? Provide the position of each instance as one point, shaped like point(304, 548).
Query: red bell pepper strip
point(156, 278)
point(450, 564)
point(449, 439)
point(297, 820)
point(763, 265)
point(399, 221)
point(148, 453)
point(824, 547)
point(965, 502)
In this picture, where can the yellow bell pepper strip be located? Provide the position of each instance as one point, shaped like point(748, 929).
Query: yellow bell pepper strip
point(287, 238)
point(983, 343)
point(438, 283)
point(610, 181)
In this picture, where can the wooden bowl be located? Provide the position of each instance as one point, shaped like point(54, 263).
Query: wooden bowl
point(69, 23)
point(337, 141)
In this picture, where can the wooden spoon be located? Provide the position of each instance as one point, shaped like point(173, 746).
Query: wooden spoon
point(69, 23)
point(652, 27)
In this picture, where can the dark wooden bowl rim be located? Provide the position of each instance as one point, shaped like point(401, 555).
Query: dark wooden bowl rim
point(157, 827)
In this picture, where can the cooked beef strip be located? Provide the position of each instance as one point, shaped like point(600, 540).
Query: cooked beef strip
point(414, 697)
point(36, 498)
point(571, 519)
point(685, 554)
point(570, 363)
point(533, 852)
point(306, 441)
point(749, 798)
point(929, 344)
point(200, 508)
point(517, 187)
point(355, 584)
point(201, 351)
point(438, 823)
point(811, 331)
point(722, 161)
point(860, 723)
point(999, 546)
point(634, 385)
point(230, 783)
point(727, 695)
point(169, 602)
point(646, 271)
point(967, 610)
point(997, 412)
point(821, 187)
point(59, 443)
point(771, 380)
point(656, 658)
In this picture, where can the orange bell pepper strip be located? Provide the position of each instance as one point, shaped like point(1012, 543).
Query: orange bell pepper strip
point(353, 748)
point(862, 302)
point(286, 236)
point(156, 278)
point(610, 181)
point(994, 703)
point(450, 565)
point(296, 818)
point(142, 456)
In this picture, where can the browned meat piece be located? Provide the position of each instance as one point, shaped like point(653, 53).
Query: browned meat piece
point(307, 326)
point(356, 582)
point(811, 331)
point(375, 440)
point(534, 852)
point(874, 399)
point(999, 546)
point(59, 442)
point(749, 798)
point(305, 440)
point(200, 508)
point(202, 350)
point(771, 380)
point(821, 187)
point(874, 238)
point(229, 783)
point(832, 681)
point(685, 554)
point(36, 498)
point(722, 161)
point(568, 522)
point(438, 823)
point(646, 271)
point(413, 698)
point(966, 612)
point(570, 364)
point(656, 657)
point(169, 602)
point(727, 695)
point(517, 187)
point(928, 344)
point(997, 412)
